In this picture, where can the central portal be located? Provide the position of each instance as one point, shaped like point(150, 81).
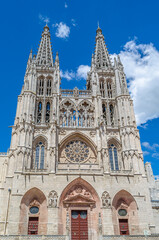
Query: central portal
point(79, 225)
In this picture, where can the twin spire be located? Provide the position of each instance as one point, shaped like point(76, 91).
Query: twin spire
point(100, 59)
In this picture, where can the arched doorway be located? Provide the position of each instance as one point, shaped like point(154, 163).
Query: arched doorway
point(125, 215)
point(79, 208)
point(33, 213)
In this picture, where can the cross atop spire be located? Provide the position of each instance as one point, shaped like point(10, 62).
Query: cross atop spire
point(44, 55)
point(101, 56)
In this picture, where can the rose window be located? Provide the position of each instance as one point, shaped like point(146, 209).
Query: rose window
point(77, 151)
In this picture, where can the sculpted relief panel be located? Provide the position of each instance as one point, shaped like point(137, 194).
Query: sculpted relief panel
point(80, 196)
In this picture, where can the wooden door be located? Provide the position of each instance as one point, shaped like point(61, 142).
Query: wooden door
point(33, 226)
point(79, 225)
point(123, 225)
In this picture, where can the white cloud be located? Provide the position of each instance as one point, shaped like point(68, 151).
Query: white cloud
point(67, 75)
point(141, 64)
point(145, 153)
point(81, 73)
point(44, 19)
point(150, 147)
point(62, 30)
point(73, 22)
point(66, 6)
point(155, 155)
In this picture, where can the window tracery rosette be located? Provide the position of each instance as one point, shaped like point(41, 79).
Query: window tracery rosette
point(77, 151)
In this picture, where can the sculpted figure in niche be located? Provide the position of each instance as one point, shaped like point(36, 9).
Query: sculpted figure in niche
point(52, 199)
point(106, 200)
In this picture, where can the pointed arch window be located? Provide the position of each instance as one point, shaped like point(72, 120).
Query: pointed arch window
point(102, 88)
point(48, 90)
point(39, 156)
point(109, 89)
point(111, 108)
point(41, 86)
point(47, 117)
point(39, 112)
point(104, 109)
point(113, 157)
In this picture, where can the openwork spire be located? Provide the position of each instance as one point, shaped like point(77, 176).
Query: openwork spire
point(44, 56)
point(101, 57)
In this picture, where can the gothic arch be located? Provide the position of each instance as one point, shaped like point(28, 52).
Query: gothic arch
point(77, 148)
point(82, 182)
point(40, 137)
point(124, 200)
point(67, 100)
point(39, 152)
point(86, 101)
point(33, 197)
point(80, 135)
point(115, 141)
point(79, 195)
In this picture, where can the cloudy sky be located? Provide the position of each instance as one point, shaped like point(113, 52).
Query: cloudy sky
point(130, 29)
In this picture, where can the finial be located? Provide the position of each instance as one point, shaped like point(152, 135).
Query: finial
point(46, 28)
point(99, 30)
point(57, 57)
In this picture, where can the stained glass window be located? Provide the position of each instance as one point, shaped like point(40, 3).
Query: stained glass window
point(113, 157)
point(39, 156)
point(77, 151)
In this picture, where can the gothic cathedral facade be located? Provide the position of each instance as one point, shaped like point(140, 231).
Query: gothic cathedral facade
point(75, 165)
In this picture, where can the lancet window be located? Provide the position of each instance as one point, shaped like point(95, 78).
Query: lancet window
point(39, 112)
point(39, 155)
point(104, 109)
point(41, 86)
point(111, 108)
point(85, 115)
point(67, 114)
point(113, 157)
point(102, 88)
point(47, 116)
point(48, 89)
point(109, 89)
point(72, 116)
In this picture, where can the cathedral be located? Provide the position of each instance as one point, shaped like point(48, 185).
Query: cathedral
point(75, 167)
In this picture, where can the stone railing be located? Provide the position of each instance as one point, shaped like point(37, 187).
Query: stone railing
point(3, 153)
point(31, 237)
point(75, 93)
point(62, 237)
point(133, 237)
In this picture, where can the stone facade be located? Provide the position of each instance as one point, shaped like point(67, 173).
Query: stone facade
point(76, 151)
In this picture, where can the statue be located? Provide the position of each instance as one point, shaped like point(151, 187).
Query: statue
point(52, 199)
point(106, 200)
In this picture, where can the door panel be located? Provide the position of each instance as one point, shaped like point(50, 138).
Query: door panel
point(123, 225)
point(33, 226)
point(79, 225)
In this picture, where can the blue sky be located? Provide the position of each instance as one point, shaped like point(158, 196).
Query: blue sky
point(130, 29)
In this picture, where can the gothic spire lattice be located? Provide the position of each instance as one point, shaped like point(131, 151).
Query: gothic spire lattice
point(44, 55)
point(101, 56)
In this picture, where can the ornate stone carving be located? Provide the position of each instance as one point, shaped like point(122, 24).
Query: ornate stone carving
point(77, 151)
point(52, 199)
point(80, 196)
point(34, 203)
point(106, 200)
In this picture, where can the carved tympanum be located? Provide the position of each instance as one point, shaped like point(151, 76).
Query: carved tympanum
point(106, 200)
point(52, 199)
point(79, 195)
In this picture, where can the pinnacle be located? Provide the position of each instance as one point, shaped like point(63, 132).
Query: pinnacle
point(102, 59)
point(44, 56)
